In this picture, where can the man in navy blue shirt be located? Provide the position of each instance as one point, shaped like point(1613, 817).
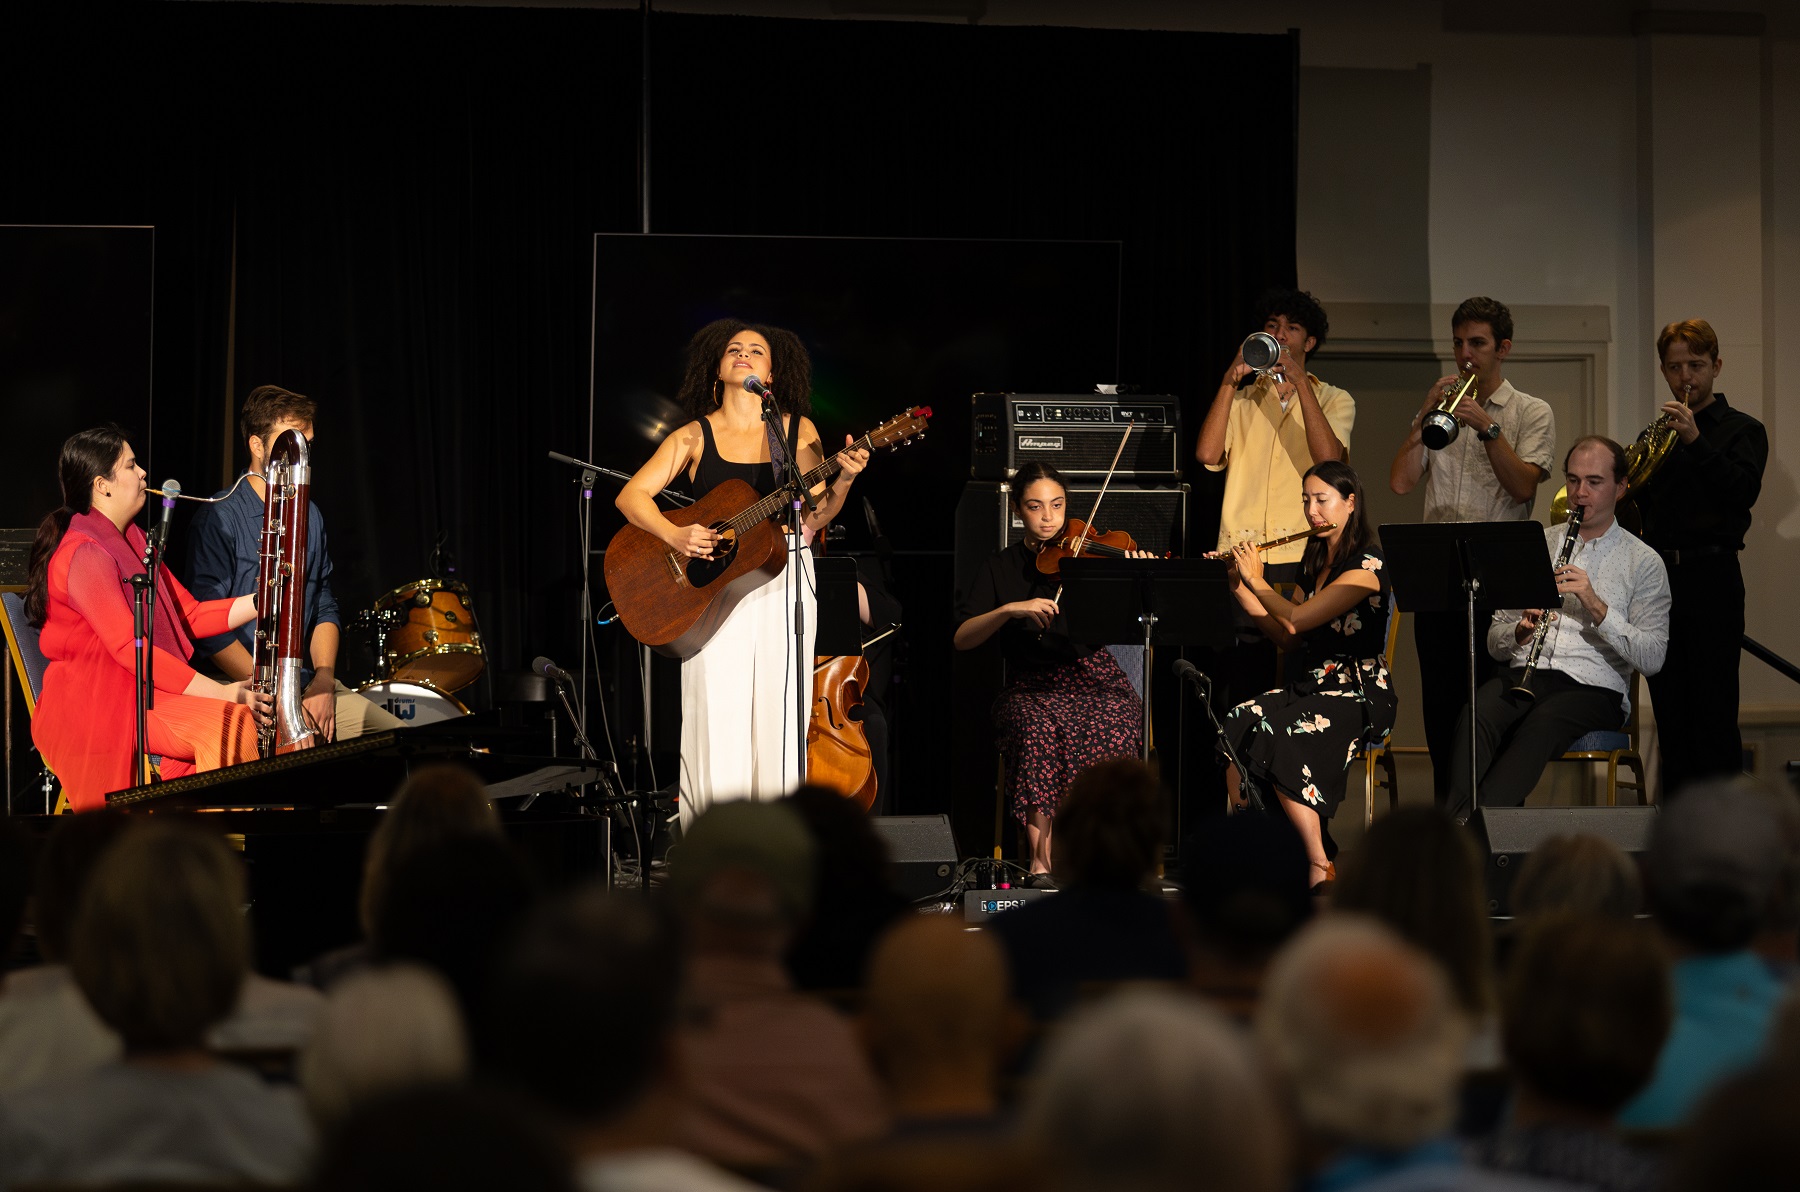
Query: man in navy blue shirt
point(223, 562)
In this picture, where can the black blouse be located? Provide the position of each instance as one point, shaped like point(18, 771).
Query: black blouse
point(1007, 576)
point(713, 469)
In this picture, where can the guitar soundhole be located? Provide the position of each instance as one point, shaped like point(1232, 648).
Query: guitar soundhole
point(701, 572)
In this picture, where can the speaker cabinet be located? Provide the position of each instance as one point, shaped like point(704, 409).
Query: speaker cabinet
point(1509, 834)
point(1078, 434)
point(1154, 515)
point(922, 853)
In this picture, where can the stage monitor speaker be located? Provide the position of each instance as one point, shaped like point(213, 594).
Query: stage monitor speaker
point(1154, 515)
point(922, 850)
point(1078, 434)
point(1509, 834)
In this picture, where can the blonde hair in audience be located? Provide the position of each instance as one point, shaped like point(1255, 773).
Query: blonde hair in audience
point(382, 1031)
point(1577, 873)
point(159, 946)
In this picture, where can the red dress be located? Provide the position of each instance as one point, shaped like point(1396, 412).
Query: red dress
point(85, 724)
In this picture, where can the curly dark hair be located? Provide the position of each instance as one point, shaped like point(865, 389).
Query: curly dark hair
point(1485, 310)
point(790, 368)
point(1297, 306)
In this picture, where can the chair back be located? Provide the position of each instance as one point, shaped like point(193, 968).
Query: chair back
point(22, 644)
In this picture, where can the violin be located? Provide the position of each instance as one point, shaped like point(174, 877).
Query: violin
point(1078, 540)
point(837, 747)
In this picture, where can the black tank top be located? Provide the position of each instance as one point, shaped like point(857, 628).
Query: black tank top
point(714, 470)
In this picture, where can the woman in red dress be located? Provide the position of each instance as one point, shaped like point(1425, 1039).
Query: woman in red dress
point(80, 599)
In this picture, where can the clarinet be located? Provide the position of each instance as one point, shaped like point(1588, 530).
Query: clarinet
point(1522, 689)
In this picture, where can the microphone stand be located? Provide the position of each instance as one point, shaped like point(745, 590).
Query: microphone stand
point(1247, 785)
point(143, 622)
point(796, 484)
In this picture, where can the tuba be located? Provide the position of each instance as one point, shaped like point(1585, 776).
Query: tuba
point(278, 649)
point(1645, 455)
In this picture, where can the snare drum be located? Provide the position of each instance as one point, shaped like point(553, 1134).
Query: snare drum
point(436, 641)
point(413, 704)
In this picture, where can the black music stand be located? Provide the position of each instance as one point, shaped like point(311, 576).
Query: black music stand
point(1438, 567)
point(840, 620)
point(1178, 602)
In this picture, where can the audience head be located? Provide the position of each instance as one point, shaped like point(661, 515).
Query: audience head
point(437, 802)
point(742, 877)
point(584, 1006)
point(1781, 920)
point(448, 1139)
point(931, 1164)
point(1577, 873)
point(1154, 1090)
point(75, 844)
point(381, 1031)
point(1742, 1135)
point(1246, 889)
point(1419, 873)
point(1585, 1009)
point(1109, 826)
point(938, 1004)
point(1362, 1028)
point(159, 944)
point(1716, 860)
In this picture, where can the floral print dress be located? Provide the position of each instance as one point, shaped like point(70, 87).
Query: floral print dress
point(1301, 738)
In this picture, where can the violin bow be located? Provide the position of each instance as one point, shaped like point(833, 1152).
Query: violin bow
point(888, 632)
point(1081, 539)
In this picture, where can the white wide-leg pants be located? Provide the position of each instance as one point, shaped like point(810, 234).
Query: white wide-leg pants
point(738, 701)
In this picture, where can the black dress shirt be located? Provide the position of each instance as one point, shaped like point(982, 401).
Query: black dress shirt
point(1702, 495)
point(1008, 576)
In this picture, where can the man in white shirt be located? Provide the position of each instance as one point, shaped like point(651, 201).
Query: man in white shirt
point(1614, 620)
point(1491, 472)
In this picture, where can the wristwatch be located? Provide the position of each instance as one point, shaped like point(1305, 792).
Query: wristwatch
point(1491, 433)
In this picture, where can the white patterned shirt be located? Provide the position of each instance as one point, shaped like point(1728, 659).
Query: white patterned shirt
point(1630, 579)
point(1460, 483)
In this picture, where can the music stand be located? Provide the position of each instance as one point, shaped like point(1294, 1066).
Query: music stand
point(1178, 602)
point(1437, 567)
point(839, 628)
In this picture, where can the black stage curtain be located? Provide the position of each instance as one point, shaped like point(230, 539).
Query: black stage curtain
point(391, 209)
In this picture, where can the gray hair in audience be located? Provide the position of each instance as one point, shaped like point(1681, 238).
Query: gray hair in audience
point(1578, 873)
point(159, 944)
point(1364, 1030)
point(1156, 1090)
point(382, 1031)
point(1716, 863)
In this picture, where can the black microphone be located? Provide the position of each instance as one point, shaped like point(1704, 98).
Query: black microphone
point(159, 536)
point(1190, 673)
point(754, 384)
point(543, 666)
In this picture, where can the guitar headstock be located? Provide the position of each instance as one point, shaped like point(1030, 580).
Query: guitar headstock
point(902, 428)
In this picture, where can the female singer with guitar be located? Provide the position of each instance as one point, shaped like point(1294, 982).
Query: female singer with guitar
point(1300, 739)
point(1064, 706)
point(738, 738)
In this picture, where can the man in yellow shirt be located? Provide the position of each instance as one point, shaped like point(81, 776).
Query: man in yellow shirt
point(1265, 435)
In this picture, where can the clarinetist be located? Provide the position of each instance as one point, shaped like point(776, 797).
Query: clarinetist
point(1614, 620)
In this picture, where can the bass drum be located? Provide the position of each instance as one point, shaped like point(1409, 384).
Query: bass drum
point(412, 703)
point(436, 641)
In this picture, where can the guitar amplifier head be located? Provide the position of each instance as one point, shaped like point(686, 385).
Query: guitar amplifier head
point(1078, 435)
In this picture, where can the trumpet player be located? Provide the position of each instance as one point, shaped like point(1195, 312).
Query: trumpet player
point(1696, 512)
point(1491, 473)
point(1614, 620)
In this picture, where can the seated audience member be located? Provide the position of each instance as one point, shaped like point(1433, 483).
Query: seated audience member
point(1715, 861)
point(1419, 873)
point(1102, 926)
point(1246, 892)
point(940, 1024)
point(445, 1139)
point(47, 1029)
point(1364, 1032)
point(1778, 939)
point(160, 949)
point(1586, 1007)
point(382, 1031)
point(1742, 1135)
point(586, 1027)
point(853, 901)
point(1582, 873)
point(776, 1075)
point(1153, 1089)
point(435, 803)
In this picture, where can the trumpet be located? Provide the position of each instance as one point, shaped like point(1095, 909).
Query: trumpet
point(1440, 427)
point(1522, 689)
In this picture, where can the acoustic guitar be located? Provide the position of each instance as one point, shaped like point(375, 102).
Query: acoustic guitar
point(675, 604)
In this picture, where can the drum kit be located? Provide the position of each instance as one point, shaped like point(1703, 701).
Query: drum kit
point(427, 648)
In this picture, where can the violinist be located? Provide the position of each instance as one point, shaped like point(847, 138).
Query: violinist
point(1301, 739)
point(1064, 706)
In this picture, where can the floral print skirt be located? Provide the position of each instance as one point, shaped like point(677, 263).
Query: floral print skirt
point(1302, 738)
point(1056, 722)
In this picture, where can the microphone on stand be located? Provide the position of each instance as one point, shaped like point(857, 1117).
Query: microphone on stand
point(543, 666)
point(1189, 673)
point(159, 534)
point(753, 384)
